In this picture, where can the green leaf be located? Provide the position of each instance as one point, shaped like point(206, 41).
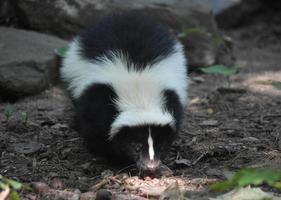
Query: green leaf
point(14, 184)
point(3, 185)
point(24, 117)
point(221, 186)
point(277, 185)
point(277, 85)
point(245, 177)
point(61, 51)
point(26, 186)
point(14, 195)
point(9, 111)
point(193, 30)
point(220, 69)
point(258, 177)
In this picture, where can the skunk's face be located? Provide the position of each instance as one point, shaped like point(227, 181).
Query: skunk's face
point(145, 145)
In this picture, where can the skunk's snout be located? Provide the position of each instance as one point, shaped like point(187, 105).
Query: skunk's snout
point(150, 168)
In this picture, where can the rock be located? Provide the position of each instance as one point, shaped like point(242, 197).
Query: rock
point(88, 196)
point(71, 15)
point(201, 38)
point(103, 195)
point(239, 14)
point(40, 187)
point(215, 172)
point(245, 12)
point(27, 148)
point(191, 20)
point(57, 184)
point(27, 62)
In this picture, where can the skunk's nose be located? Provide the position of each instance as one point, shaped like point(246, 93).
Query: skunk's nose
point(150, 168)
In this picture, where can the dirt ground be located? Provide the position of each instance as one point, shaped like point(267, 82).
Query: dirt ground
point(223, 128)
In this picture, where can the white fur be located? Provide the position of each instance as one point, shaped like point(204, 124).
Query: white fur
point(139, 92)
point(150, 145)
point(137, 117)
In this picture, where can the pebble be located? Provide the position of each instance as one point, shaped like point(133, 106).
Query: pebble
point(214, 172)
point(27, 148)
point(40, 187)
point(103, 195)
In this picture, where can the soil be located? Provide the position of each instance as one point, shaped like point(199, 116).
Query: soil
point(226, 127)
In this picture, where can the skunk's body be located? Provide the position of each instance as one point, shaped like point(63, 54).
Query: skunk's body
point(127, 76)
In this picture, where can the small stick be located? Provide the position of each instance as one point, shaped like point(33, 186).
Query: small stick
point(104, 182)
point(114, 179)
point(199, 158)
point(99, 185)
point(268, 116)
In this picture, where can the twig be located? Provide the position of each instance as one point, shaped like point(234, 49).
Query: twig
point(199, 158)
point(99, 185)
point(270, 116)
point(114, 179)
point(106, 181)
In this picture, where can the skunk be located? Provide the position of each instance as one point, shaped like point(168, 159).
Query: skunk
point(127, 76)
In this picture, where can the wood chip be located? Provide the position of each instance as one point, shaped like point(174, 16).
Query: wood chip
point(209, 123)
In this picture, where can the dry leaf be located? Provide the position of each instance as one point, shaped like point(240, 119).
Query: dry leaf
point(173, 192)
point(4, 194)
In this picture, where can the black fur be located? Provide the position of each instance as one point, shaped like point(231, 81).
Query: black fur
point(161, 135)
point(143, 40)
point(95, 113)
point(173, 105)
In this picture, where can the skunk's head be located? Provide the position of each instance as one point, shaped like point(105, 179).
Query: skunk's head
point(146, 145)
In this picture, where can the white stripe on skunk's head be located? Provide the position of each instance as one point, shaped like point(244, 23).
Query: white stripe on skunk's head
point(151, 152)
point(134, 118)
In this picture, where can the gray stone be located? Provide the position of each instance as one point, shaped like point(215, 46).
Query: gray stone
point(27, 148)
point(184, 17)
point(27, 62)
point(240, 13)
point(215, 172)
point(243, 12)
point(70, 15)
